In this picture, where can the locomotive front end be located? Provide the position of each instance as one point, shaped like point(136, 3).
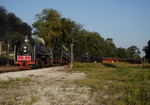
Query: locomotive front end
point(24, 55)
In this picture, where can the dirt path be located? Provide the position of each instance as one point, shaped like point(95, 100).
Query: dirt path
point(48, 86)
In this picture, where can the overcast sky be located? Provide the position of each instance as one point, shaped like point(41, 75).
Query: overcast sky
point(126, 21)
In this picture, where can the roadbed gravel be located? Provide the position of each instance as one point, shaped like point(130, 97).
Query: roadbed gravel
point(53, 86)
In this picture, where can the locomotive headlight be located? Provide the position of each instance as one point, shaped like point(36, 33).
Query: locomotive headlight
point(24, 47)
point(24, 51)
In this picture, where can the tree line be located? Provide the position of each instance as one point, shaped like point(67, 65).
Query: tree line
point(59, 32)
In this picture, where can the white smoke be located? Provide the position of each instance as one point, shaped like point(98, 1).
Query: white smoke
point(37, 37)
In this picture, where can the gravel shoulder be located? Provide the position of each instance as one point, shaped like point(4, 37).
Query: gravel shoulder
point(47, 86)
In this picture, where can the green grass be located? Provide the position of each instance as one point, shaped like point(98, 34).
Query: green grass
point(128, 84)
point(11, 94)
point(14, 82)
point(32, 100)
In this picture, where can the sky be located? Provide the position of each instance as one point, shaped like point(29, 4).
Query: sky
point(127, 22)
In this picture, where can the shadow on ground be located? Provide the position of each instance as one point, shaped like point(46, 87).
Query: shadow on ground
point(109, 65)
point(3, 61)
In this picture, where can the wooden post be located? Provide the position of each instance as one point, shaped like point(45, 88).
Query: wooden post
point(71, 66)
point(8, 54)
point(14, 52)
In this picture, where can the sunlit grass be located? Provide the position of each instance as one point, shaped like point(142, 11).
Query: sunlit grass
point(128, 84)
point(14, 82)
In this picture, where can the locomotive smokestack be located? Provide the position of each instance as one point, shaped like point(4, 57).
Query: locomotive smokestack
point(26, 39)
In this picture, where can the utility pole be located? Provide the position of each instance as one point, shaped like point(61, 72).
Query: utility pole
point(71, 54)
point(8, 54)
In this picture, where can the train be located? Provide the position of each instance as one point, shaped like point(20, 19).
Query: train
point(95, 59)
point(29, 55)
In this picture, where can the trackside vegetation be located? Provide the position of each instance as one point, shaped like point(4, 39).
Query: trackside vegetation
point(117, 83)
point(11, 92)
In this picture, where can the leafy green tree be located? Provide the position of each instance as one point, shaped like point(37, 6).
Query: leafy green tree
point(121, 53)
point(48, 26)
point(111, 48)
point(146, 49)
point(133, 52)
point(70, 30)
point(110, 40)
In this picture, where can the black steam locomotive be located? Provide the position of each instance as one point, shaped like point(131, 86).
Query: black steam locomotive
point(30, 54)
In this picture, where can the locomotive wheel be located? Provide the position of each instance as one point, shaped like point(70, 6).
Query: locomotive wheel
point(37, 63)
point(48, 64)
point(32, 67)
point(63, 63)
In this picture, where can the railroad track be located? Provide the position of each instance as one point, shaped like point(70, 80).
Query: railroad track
point(5, 69)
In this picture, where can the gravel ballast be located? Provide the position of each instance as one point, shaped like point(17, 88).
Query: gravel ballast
point(53, 86)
